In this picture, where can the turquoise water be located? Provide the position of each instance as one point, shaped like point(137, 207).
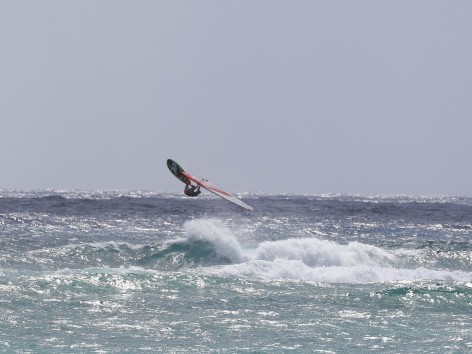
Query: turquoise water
point(111, 272)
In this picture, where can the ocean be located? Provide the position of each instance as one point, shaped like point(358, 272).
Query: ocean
point(117, 272)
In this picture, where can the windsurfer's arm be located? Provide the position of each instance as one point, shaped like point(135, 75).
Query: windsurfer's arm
point(187, 189)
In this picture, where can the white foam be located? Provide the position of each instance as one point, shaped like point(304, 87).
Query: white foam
point(314, 252)
point(218, 235)
point(297, 270)
point(311, 259)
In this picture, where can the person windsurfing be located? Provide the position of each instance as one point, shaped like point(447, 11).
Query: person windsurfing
point(191, 190)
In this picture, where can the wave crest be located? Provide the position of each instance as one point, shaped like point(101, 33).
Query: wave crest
point(218, 235)
point(315, 252)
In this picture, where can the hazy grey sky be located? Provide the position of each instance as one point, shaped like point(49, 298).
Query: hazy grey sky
point(370, 97)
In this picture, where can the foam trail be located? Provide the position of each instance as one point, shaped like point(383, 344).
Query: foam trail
point(297, 270)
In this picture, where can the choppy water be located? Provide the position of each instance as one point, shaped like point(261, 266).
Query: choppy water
point(119, 272)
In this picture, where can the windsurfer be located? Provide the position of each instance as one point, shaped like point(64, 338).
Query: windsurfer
point(191, 190)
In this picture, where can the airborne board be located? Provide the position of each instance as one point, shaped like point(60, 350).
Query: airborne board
point(177, 170)
point(187, 178)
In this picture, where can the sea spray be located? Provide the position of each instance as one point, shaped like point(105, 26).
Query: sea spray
point(216, 233)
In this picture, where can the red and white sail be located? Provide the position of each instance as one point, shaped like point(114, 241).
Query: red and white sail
point(217, 190)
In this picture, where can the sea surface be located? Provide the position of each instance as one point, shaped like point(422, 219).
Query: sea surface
point(114, 272)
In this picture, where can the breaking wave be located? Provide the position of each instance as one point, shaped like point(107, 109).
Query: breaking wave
point(310, 259)
point(209, 247)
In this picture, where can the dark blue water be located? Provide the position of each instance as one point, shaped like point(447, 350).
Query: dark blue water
point(140, 271)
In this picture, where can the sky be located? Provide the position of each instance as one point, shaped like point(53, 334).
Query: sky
point(304, 97)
